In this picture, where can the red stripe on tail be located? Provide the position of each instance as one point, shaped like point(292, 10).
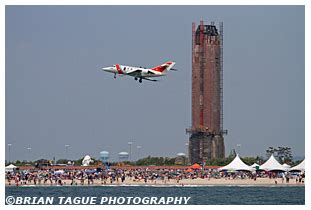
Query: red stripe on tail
point(163, 67)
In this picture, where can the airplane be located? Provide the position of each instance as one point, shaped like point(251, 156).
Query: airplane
point(140, 73)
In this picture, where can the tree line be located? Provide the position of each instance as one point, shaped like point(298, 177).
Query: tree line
point(282, 154)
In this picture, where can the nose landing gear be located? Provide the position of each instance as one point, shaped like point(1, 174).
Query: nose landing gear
point(115, 76)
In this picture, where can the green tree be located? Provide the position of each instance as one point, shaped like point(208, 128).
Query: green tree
point(219, 161)
point(18, 163)
point(158, 161)
point(62, 161)
point(282, 154)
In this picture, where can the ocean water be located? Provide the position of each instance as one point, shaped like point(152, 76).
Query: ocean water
point(204, 195)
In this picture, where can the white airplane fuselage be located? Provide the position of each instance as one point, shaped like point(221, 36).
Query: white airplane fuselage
point(139, 72)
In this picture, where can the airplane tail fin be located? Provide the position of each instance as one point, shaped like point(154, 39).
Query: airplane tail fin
point(164, 67)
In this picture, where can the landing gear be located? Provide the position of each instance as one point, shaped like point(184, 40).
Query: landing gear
point(115, 76)
point(140, 79)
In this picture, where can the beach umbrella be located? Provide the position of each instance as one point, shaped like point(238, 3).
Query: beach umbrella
point(189, 170)
point(196, 166)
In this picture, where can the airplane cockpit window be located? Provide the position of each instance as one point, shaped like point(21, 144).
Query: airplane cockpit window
point(114, 65)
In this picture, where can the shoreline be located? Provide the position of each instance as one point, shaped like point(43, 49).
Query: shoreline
point(167, 185)
point(260, 182)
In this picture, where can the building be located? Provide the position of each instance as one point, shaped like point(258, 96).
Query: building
point(206, 133)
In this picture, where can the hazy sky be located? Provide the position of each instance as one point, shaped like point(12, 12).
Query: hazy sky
point(56, 93)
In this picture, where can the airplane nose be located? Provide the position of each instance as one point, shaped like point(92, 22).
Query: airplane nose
point(105, 69)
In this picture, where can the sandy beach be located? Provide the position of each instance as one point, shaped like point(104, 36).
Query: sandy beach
point(184, 182)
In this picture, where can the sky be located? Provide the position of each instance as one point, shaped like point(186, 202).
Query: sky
point(56, 93)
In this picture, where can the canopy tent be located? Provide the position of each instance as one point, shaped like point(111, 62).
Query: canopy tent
point(87, 160)
point(286, 166)
point(10, 168)
point(195, 166)
point(236, 165)
point(59, 172)
point(254, 165)
point(272, 165)
point(299, 167)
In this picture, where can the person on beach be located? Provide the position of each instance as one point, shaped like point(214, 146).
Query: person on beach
point(123, 178)
point(8, 177)
point(287, 178)
point(17, 179)
point(82, 180)
point(141, 176)
point(283, 177)
point(72, 181)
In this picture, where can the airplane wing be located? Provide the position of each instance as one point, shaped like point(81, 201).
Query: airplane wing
point(137, 73)
point(134, 73)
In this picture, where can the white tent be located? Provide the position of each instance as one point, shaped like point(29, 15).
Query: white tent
point(59, 172)
point(10, 168)
point(272, 164)
point(299, 167)
point(254, 165)
point(236, 165)
point(87, 160)
point(286, 166)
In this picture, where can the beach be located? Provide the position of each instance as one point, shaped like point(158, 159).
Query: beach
point(185, 182)
point(158, 176)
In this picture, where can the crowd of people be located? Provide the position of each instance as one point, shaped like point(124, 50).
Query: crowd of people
point(138, 175)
